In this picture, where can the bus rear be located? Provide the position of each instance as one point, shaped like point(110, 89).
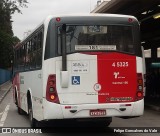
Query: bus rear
point(96, 71)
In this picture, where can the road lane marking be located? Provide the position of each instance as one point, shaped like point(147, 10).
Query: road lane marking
point(4, 115)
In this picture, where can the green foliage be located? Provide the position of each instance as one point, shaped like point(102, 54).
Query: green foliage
point(7, 40)
point(6, 52)
point(13, 5)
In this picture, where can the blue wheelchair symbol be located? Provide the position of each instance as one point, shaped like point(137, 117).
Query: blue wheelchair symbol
point(75, 80)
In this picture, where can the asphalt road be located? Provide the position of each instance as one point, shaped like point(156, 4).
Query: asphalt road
point(9, 117)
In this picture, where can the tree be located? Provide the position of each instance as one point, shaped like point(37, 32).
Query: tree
point(7, 39)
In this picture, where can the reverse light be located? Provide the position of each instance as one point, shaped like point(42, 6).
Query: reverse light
point(51, 89)
point(140, 87)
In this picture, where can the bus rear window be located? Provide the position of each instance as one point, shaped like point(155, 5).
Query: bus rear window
point(103, 38)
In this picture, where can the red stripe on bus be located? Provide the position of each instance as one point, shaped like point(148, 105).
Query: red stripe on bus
point(16, 82)
point(117, 77)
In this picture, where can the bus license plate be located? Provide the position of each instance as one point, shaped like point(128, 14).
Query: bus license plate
point(97, 112)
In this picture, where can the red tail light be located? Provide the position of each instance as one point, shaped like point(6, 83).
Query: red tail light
point(58, 19)
point(130, 20)
point(139, 93)
point(51, 91)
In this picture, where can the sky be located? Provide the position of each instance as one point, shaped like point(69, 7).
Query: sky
point(38, 10)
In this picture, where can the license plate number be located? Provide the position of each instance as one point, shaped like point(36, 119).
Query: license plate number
point(97, 112)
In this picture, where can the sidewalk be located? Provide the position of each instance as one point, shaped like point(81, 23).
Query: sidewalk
point(4, 89)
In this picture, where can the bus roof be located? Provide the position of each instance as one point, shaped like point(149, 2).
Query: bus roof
point(49, 17)
point(91, 14)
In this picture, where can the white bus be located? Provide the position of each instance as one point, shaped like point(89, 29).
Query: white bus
point(80, 67)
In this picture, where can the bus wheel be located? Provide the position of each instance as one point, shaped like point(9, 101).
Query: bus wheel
point(20, 111)
point(16, 101)
point(33, 122)
point(108, 121)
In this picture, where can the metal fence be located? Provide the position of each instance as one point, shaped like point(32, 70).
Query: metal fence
point(5, 75)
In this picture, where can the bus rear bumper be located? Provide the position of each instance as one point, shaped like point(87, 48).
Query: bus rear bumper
point(57, 111)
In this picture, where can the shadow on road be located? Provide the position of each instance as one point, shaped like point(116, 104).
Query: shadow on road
point(74, 127)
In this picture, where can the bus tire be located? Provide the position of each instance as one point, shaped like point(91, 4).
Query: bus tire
point(33, 122)
point(20, 111)
point(108, 121)
point(16, 101)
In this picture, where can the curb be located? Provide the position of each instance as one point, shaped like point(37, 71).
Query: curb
point(3, 96)
point(153, 107)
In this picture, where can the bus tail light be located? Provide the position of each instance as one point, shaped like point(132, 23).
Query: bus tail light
point(51, 91)
point(130, 20)
point(58, 19)
point(139, 93)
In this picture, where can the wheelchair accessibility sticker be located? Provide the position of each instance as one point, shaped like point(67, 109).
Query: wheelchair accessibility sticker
point(75, 80)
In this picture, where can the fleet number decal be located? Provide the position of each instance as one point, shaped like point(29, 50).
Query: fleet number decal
point(120, 64)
